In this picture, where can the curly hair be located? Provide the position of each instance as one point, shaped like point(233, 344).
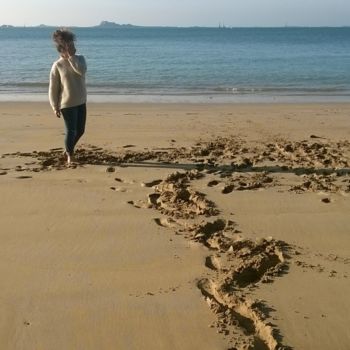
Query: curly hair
point(61, 37)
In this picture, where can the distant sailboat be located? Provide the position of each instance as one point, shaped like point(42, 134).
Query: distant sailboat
point(222, 26)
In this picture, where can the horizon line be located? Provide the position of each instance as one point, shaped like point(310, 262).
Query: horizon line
point(113, 25)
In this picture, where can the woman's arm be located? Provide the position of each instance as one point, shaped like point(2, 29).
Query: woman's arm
point(55, 90)
point(78, 64)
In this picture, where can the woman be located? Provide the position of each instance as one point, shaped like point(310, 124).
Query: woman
point(67, 91)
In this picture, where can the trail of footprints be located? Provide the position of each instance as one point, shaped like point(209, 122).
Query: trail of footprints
point(320, 165)
point(238, 264)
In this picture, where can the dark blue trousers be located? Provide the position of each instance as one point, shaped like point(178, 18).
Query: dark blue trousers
point(74, 120)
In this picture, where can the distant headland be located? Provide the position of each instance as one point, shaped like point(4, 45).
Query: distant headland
point(106, 24)
point(103, 24)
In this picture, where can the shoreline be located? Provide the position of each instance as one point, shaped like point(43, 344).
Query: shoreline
point(187, 99)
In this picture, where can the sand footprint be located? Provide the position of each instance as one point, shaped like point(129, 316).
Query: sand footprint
point(240, 317)
point(213, 263)
point(153, 199)
point(128, 182)
point(134, 204)
point(227, 189)
point(138, 204)
point(19, 168)
point(165, 222)
point(151, 183)
point(212, 183)
point(118, 189)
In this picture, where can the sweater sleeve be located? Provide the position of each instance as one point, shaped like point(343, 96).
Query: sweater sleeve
point(78, 64)
point(55, 88)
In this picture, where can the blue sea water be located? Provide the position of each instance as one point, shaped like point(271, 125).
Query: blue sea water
point(230, 64)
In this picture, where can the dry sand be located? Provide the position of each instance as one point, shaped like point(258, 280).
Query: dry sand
point(181, 227)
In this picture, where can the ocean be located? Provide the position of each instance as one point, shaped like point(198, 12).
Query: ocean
point(186, 64)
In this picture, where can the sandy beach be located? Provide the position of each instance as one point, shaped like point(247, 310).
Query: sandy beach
point(182, 226)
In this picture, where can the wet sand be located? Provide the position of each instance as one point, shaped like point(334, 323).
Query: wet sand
point(180, 227)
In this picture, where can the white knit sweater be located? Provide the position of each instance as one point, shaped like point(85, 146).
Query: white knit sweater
point(67, 83)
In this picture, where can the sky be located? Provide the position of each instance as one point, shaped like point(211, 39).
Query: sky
point(211, 13)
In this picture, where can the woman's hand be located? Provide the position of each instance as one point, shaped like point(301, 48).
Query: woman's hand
point(69, 50)
point(58, 114)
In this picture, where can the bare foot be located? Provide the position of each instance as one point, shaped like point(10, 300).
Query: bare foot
point(70, 158)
